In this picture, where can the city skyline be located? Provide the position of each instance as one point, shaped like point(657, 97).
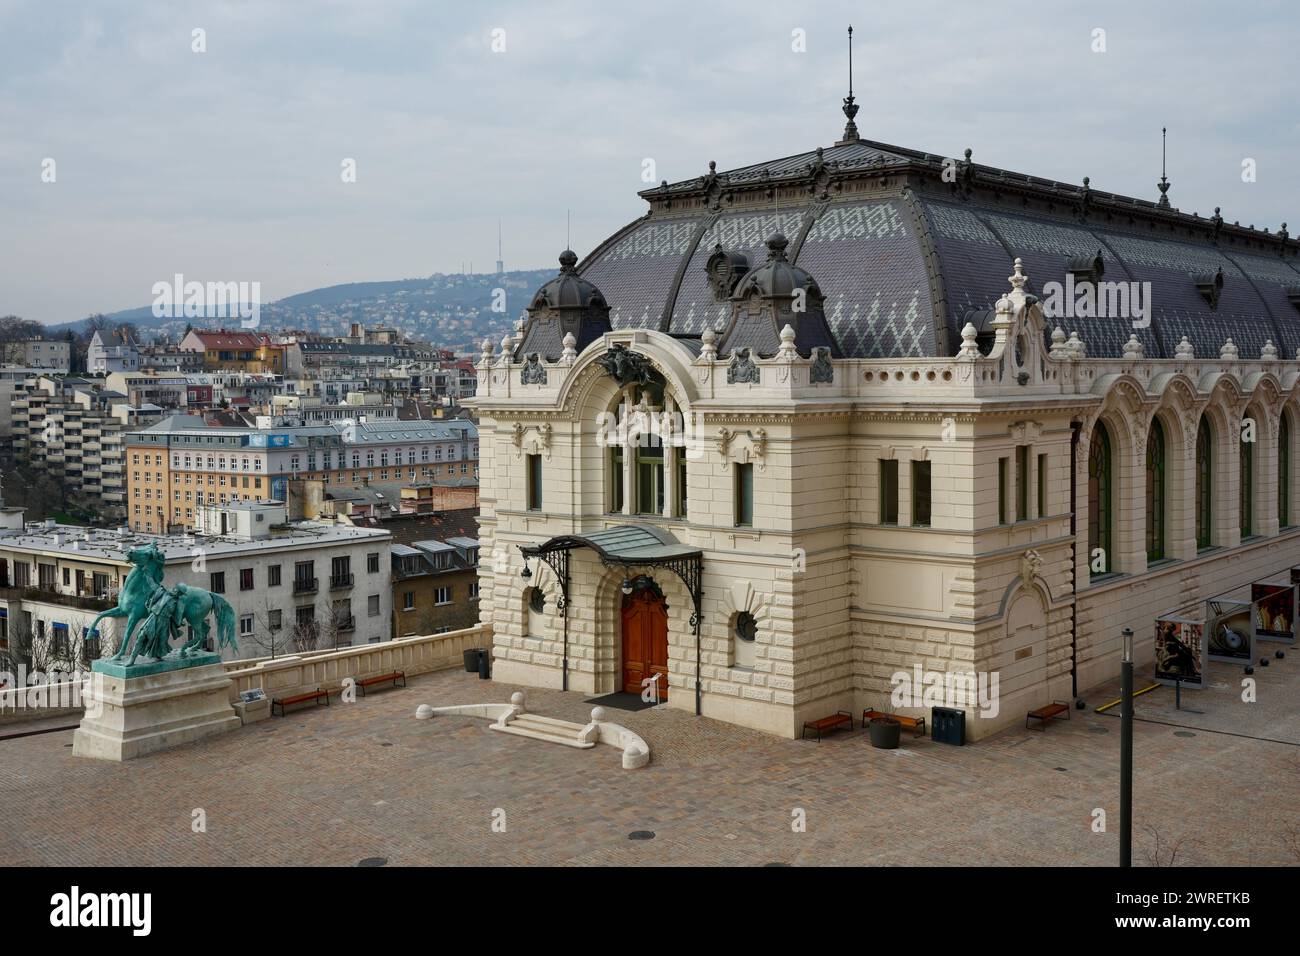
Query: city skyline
point(561, 120)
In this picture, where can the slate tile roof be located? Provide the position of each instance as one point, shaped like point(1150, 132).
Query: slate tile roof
point(880, 262)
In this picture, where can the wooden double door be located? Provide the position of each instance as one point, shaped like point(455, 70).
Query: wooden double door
point(645, 641)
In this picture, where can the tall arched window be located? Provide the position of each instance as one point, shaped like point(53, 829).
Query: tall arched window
point(1246, 461)
point(1099, 497)
point(1284, 471)
point(1204, 482)
point(1156, 491)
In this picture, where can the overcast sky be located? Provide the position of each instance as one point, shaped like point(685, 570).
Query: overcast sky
point(225, 165)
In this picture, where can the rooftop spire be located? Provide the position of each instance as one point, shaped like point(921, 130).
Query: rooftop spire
point(1163, 185)
point(850, 108)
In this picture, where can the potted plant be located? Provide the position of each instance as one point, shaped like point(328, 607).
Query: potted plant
point(884, 732)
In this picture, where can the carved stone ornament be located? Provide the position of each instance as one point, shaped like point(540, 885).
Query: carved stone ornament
point(1031, 562)
point(625, 366)
point(742, 369)
point(821, 370)
point(533, 373)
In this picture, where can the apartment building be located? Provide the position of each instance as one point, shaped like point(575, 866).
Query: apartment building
point(74, 427)
point(37, 353)
point(292, 585)
point(234, 351)
point(181, 463)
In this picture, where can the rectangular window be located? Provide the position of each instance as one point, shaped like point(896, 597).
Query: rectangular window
point(534, 482)
point(680, 490)
point(408, 600)
point(615, 479)
point(246, 579)
point(372, 562)
point(744, 495)
point(1022, 482)
point(274, 619)
point(273, 576)
point(245, 624)
point(217, 582)
point(888, 491)
point(1042, 485)
point(1002, 491)
point(921, 494)
point(650, 476)
point(372, 605)
point(442, 595)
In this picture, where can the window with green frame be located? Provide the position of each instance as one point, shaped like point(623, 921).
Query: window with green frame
point(1042, 485)
point(921, 494)
point(1155, 491)
point(1284, 471)
point(1246, 461)
point(888, 491)
point(1204, 483)
point(1100, 497)
point(1002, 491)
point(744, 495)
point(680, 489)
point(534, 482)
point(615, 479)
point(1022, 482)
point(650, 476)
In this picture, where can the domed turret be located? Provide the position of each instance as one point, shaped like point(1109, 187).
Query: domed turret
point(565, 305)
point(772, 296)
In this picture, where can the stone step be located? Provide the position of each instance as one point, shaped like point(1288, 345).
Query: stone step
point(546, 729)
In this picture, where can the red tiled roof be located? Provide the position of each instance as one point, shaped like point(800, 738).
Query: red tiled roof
point(232, 340)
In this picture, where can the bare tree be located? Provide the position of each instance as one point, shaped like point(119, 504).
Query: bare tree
point(1160, 852)
point(305, 635)
point(271, 635)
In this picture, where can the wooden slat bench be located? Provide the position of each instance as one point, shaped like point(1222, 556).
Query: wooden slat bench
point(316, 695)
point(833, 722)
point(1044, 714)
point(914, 724)
point(394, 677)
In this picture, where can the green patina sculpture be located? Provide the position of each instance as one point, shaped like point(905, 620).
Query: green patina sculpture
point(155, 613)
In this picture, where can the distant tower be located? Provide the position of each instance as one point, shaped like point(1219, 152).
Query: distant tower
point(501, 268)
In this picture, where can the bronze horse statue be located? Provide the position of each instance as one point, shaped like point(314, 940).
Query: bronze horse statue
point(133, 600)
point(154, 614)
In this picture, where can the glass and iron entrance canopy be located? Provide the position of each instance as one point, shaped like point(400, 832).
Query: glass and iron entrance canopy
point(629, 545)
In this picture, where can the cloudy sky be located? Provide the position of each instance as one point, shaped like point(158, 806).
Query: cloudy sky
point(226, 165)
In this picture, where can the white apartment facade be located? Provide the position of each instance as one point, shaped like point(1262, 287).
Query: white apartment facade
point(292, 586)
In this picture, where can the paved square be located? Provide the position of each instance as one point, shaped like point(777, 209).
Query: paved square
point(336, 786)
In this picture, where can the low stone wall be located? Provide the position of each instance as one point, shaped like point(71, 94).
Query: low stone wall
point(299, 673)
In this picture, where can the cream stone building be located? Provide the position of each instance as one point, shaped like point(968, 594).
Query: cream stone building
point(809, 424)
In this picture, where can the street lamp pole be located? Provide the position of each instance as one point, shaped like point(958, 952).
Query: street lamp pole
point(1126, 754)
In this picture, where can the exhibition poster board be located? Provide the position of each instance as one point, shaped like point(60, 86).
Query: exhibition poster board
point(1230, 628)
point(1180, 651)
point(1274, 606)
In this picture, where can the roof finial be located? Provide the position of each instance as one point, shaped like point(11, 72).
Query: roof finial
point(850, 108)
point(1163, 185)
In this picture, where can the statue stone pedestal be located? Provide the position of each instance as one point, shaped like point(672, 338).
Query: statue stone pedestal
point(149, 707)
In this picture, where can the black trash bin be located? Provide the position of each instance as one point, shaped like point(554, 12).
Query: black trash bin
point(948, 726)
point(472, 660)
point(484, 664)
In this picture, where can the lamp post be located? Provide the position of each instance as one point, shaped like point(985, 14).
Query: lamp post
point(1126, 753)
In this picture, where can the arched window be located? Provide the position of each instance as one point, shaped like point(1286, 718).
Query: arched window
point(1284, 471)
point(1246, 461)
point(1156, 491)
point(1204, 482)
point(1099, 497)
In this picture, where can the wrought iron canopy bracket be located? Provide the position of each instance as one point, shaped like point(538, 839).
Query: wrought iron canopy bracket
point(557, 559)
